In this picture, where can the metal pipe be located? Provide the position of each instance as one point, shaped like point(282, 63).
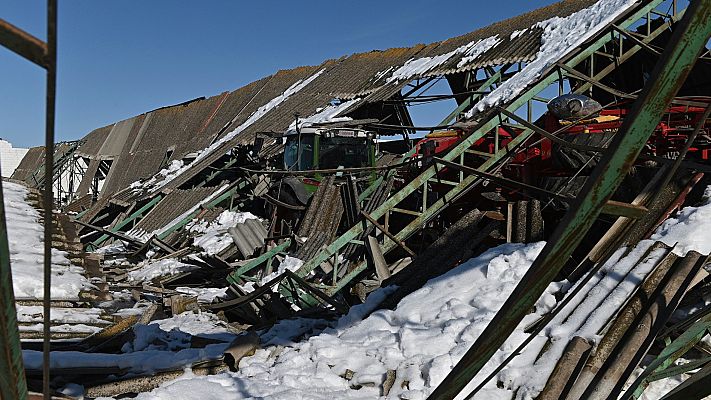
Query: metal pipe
point(629, 352)
point(51, 66)
point(620, 325)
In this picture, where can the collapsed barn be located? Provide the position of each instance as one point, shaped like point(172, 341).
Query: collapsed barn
point(304, 192)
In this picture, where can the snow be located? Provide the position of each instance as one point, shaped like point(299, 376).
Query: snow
point(431, 329)
point(149, 270)
point(560, 35)
point(169, 174)
point(144, 361)
point(516, 34)
point(472, 51)
point(688, 229)
point(584, 316)
point(418, 66)
point(26, 241)
point(160, 345)
point(57, 315)
point(166, 174)
point(62, 328)
point(204, 295)
point(196, 324)
point(325, 114)
point(214, 237)
point(291, 263)
point(421, 340)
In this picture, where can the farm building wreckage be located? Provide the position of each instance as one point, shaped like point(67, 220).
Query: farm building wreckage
point(302, 202)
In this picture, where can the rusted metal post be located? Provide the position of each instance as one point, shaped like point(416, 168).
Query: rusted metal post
point(684, 48)
point(48, 198)
point(22, 43)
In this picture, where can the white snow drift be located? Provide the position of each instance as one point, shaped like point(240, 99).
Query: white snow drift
point(26, 240)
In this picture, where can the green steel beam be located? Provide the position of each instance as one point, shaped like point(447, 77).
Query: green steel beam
point(470, 99)
point(431, 211)
point(677, 370)
point(234, 277)
point(12, 373)
point(685, 46)
point(677, 348)
point(212, 203)
point(213, 174)
point(95, 244)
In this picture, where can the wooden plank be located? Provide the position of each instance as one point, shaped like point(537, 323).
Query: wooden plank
point(376, 256)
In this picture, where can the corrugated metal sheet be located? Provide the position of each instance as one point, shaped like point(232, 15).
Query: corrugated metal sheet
point(93, 141)
point(88, 178)
point(248, 236)
point(29, 164)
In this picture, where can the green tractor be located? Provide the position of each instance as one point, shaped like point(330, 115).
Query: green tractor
point(320, 148)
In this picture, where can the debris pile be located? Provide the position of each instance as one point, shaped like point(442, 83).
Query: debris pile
point(291, 239)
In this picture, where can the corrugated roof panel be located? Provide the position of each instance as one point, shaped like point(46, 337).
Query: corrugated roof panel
point(248, 236)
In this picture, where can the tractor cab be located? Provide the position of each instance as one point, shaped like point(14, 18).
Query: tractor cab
point(318, 148)
point(312, 148)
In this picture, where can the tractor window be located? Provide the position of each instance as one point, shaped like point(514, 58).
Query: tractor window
point(346, 152)
point(291, 153)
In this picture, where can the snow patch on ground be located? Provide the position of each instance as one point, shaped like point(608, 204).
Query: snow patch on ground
point(26, 242)
point(204, 295)
point(213, 237)
point(291, 263)
point(429, 332)
point(160, 345)
point(149, 270)
point(58, 315)
point(421, 340)
point(688, 229)
point(560, 35)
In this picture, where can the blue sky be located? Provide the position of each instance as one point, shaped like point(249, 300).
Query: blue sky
point(117, 59)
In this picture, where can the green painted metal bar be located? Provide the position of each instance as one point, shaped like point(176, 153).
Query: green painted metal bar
point(234, 277)
point(213, 174)
point(678, 370)
point(469, 100)
point(96, 243)
point(630, 52)
point(698, 386)
point(550, 77)
point(677, 348)
point(212, 203)
point(685, 46)
point(12, 373)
